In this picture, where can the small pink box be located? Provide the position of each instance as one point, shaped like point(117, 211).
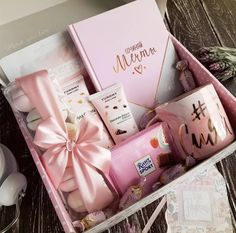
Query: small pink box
point(137, 157)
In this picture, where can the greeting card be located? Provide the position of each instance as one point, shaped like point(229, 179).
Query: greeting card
point(199, 205)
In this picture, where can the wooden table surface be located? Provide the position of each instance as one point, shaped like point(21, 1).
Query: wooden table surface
point(195, 23)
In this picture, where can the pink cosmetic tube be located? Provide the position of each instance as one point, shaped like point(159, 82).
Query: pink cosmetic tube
point(113, 108)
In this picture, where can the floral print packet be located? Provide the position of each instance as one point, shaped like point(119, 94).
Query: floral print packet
point(200, 205)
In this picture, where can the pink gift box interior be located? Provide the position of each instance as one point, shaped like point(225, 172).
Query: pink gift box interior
point(202, 77)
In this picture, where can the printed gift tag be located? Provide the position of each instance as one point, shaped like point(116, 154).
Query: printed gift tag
point(200, 205)
point(197, 205)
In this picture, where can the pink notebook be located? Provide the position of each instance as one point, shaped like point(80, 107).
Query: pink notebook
point(126, 45)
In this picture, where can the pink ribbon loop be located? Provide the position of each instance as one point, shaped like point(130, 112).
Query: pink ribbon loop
point(87, 158)
point(90, 161)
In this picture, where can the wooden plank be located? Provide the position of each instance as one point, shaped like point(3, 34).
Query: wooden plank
point(159, 225)
point(137, 219)
point(190, 25)
point(222, 16)
point(227, 168)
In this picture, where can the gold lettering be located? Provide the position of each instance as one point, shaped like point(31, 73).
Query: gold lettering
point(153, 51)
point(211, 138)
point(202, 140)
point(144, 53)
point(136, 57)
point(125, 61)
point(212, 128)
point(121, 63)
point(182, 140)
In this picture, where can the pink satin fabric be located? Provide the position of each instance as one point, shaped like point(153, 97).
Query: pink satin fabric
point(39, 88)
point(88, 159)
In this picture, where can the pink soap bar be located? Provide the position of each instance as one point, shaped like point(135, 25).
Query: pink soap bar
point(137, 157)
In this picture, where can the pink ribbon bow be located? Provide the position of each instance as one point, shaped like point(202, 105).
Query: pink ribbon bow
point(89, 160)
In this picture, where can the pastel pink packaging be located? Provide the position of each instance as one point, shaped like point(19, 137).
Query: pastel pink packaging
point(202, 77)
point(132, 49)
point(73, 95)
point(113, 107)
point(200, 202)
point(138, 157)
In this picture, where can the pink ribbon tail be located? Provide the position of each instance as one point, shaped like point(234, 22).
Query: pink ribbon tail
point(90, 161)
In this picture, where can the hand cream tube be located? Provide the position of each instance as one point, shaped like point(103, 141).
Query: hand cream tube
point(74, 96)
point(113, 108)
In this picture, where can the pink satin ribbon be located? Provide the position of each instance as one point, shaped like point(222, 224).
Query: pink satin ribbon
point(89, 160)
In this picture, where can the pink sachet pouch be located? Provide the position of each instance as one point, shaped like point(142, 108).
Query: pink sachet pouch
point(138, 157)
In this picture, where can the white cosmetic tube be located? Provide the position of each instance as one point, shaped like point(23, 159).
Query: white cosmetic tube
point(113, 108)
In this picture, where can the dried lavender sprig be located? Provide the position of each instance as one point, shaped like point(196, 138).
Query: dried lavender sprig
point(216, 49)
point(217, 55)
point(214, 57)
point(207, 58)
point(221, 61)
point(219, 66)
point(227, 74)
point(204, 50)
point(231, 51)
